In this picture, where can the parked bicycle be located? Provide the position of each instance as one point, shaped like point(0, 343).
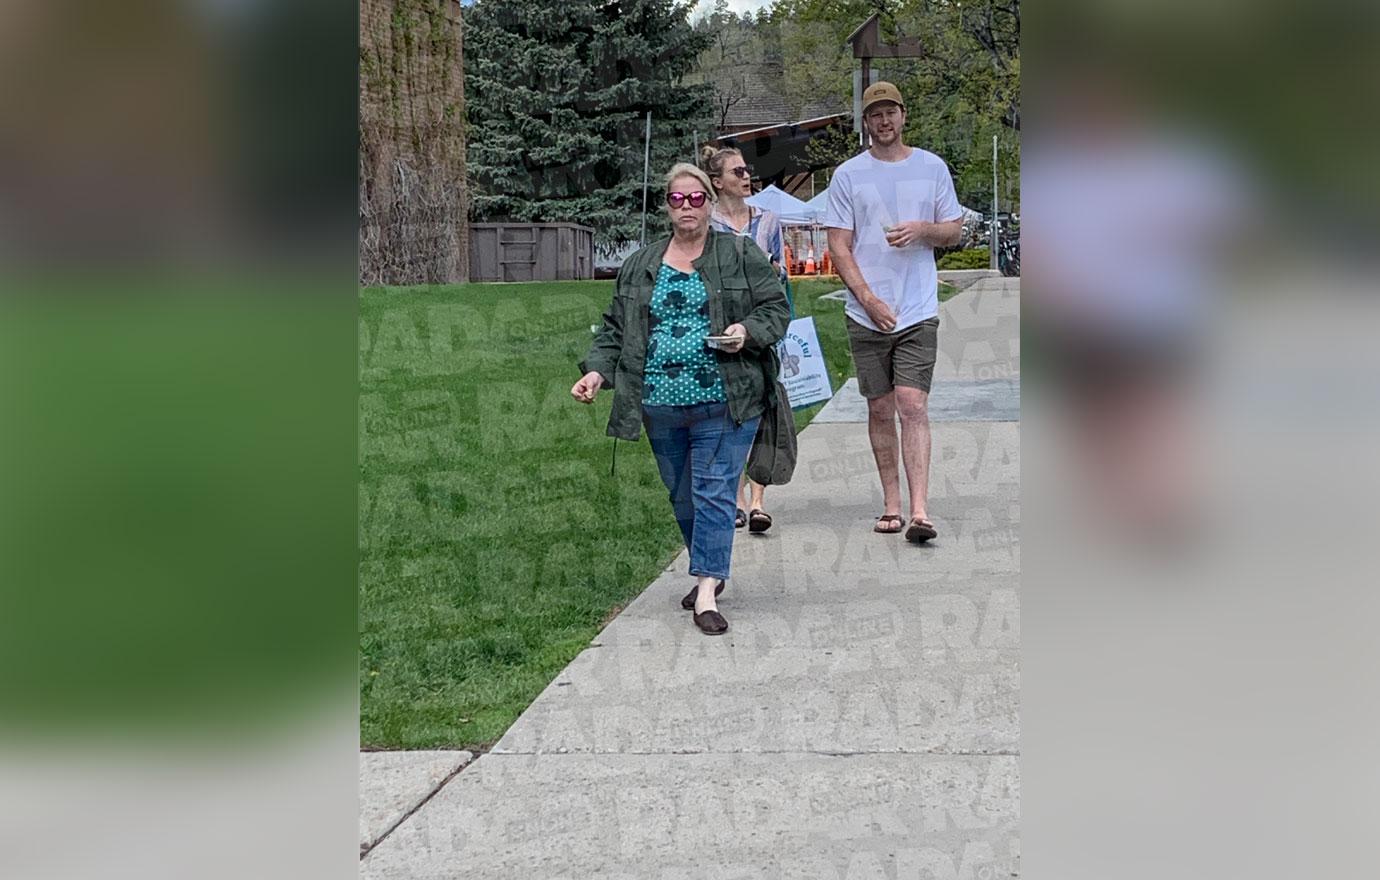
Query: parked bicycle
point(1009, 255)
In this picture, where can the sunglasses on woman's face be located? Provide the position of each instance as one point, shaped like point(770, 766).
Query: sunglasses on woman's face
point(740, 171)
point(676, 199)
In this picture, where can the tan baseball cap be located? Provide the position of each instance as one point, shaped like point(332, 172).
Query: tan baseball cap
point(881, 91)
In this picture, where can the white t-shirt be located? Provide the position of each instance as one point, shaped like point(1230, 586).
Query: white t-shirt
point(867, 194)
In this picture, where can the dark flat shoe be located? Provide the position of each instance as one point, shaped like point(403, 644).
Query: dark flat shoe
point(759, 520)
point(920, 530)
point(688, 603)
point(711, 623)
point(740, 519)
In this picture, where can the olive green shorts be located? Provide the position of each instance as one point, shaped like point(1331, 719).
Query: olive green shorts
point(885, 360)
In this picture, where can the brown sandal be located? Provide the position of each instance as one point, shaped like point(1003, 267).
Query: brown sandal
point(920, 530)
point(889, 518)
point(759, 520)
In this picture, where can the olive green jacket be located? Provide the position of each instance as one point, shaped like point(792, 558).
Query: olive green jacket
point(743, 289)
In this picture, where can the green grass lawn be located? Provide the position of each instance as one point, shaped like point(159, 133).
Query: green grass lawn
point(494, 543)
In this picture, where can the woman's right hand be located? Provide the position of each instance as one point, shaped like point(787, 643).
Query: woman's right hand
point(588, 386)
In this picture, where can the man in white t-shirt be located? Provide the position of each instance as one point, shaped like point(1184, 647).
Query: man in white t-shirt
point(888, 209)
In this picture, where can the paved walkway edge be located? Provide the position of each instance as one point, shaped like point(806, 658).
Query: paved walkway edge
point(394, 785)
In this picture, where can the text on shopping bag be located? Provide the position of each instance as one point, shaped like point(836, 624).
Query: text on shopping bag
point(803, 370)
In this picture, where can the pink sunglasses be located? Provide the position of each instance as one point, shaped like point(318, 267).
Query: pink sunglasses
point(676, 199)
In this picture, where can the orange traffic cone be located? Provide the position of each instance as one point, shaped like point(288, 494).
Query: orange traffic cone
point(828, 269)
point(810, 261)
point(790, 268)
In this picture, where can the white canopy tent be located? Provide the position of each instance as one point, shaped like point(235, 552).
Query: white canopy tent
point(784, 205)
point(816, 208)
point(801, 222)
point(801, 225)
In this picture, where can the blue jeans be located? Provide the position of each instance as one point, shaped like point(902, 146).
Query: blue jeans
point(700, 453)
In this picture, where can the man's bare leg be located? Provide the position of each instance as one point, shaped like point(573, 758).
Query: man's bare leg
point(912, 405)
point(881, 431)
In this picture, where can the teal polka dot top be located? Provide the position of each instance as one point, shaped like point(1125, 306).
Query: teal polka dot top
point(680, 370)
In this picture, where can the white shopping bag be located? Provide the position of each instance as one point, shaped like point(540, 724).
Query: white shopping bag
point(802, 365)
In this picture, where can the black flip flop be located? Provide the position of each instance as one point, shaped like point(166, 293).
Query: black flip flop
point(711, 623)
point(755, 520)
point(889, 518)
point(741, 519)
point(920, 530)
point(688, 603)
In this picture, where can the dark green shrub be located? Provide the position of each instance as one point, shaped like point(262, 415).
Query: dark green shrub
point(972, 258)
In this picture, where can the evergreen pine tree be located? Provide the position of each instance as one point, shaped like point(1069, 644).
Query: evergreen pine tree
point(557, 96)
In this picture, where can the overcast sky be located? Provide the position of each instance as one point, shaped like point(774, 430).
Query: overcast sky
point(736, 5)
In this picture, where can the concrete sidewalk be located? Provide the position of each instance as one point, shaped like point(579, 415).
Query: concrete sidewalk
point(858, 720)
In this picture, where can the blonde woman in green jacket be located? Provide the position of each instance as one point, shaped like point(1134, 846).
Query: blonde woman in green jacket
point(687, 347)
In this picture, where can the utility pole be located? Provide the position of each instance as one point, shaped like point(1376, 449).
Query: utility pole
point(867, 44)
point(862, 78)
point(646, 170)
point(995, 241)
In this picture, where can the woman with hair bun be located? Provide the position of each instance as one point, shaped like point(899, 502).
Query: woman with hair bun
point(732, 181)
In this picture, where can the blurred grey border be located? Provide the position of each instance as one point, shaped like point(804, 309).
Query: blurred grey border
point(1196, 686)
point(178, 288)
point(1182, 708)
